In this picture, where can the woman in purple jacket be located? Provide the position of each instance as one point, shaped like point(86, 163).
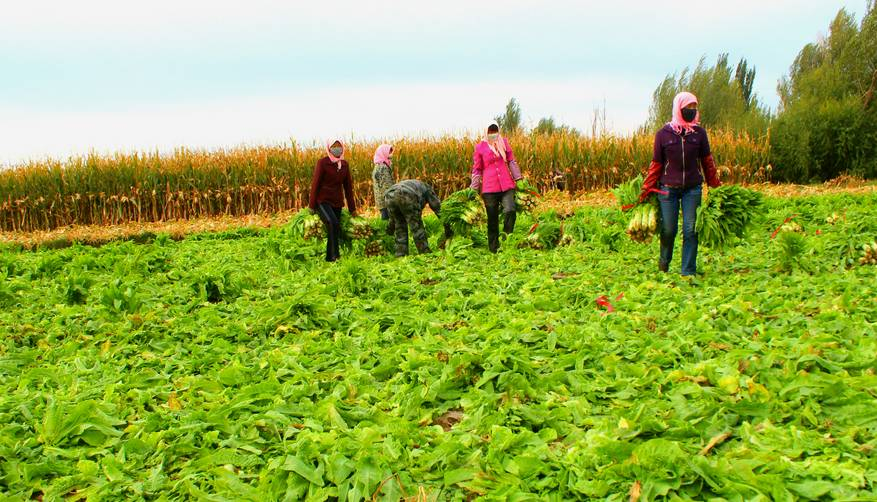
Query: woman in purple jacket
point(494, 173)
point(680, 162)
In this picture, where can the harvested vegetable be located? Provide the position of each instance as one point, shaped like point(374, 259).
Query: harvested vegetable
point(725, 216)
point(526, 197)
point(463, 210)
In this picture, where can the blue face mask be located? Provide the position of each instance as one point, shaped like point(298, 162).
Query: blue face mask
point(493, 137)
point(336, 151)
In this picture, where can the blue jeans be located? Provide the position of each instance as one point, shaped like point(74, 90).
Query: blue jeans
point(689, 199)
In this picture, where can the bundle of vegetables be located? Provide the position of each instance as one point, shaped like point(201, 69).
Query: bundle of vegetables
point(307, 224)
point(462, 210)
point(627, 193)
point(645, 217)
point(361, 228)
point(869, 254)
point(374, 248)
point(791, 226)
point(378, 241)
point(727, 213)
point(546, 233)
point(525, 197)
point(643, 221)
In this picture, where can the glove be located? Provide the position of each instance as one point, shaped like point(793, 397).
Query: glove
point(448, 232)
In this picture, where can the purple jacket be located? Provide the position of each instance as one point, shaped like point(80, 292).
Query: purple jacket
point(680, 156)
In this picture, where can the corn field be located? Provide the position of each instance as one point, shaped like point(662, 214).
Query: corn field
point(148, 187)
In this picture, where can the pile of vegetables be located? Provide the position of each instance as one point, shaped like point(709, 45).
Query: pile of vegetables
point(869, 254)
point(526, 197)
point(463, 210)
point(726, 214)
point(645, 217)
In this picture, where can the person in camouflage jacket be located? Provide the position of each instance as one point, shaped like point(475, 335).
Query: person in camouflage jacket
point(405, 201)
point(382, 177)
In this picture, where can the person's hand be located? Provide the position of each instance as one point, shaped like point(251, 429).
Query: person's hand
point(448, 232)
point(519, 183)
point(643, 196)
point(715, 184)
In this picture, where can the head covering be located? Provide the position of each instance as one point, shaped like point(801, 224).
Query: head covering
point(498, 146)
point(333, 158)
point(679, 124)
point(382, 154)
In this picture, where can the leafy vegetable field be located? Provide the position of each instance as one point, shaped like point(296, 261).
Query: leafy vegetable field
point(239, 366)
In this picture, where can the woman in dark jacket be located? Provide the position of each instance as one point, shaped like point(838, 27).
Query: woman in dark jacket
point(331, 184)
point(680, 162)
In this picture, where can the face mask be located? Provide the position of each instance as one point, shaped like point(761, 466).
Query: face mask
point(689, 114)
point(336, 151)
point(492, 137)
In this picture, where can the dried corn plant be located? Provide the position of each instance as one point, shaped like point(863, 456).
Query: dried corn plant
point(148, 186)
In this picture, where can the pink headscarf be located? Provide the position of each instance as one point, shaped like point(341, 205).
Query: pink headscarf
point(682, 100)
point(333, 158)
point(497, 146)
point(382, 154)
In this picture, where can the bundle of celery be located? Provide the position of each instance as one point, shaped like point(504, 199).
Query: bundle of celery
point(463, 210)
point(645, 217)
point(727, 213)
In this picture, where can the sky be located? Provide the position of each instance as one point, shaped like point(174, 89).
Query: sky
point(104, 76)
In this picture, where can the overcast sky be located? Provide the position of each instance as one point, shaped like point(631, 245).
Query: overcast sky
point(115, 75)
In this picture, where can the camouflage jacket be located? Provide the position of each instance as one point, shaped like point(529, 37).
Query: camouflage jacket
point(413, 195)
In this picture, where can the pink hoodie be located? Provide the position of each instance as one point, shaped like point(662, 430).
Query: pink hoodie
point(682, 100)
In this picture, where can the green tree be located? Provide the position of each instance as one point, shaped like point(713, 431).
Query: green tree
point(725, 94)
point(828, 120)
point(548, 126)
point(510, 121)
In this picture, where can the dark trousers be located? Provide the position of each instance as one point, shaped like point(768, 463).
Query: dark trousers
point(689, 199)
point(331, 217)
point(492, 203)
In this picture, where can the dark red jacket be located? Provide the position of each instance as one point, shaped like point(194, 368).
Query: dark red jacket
point(328, 184)
point(677, 160)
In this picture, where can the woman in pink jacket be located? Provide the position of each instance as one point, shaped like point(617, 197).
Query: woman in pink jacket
point(494, 173)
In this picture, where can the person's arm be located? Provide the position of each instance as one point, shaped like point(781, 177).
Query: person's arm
point(514, 168)
point(434, 203)
point(710, 171)
point(316, 180)
point(477, 171)
point(709, 164)
point(653, 175)
point(348, 192)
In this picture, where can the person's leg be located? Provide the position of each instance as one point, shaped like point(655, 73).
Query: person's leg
point(690, 202)
point(337, 250)
point(509, 209)
point(418, 232)
point(327, 214)
point(669, 225)
point(397, 217)
point(491, 206)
